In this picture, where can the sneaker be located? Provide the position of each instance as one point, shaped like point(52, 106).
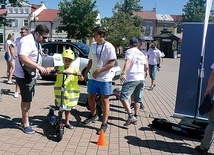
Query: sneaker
point(151, 87)
point(16, 95)
point(104, 126)
point(91, 119)
point(28, 130)
point(10, 82)
point(69, 126)
point(132, 106)
point(202, 151)
point(136, 116)
point(131, 120)
point(141, 106)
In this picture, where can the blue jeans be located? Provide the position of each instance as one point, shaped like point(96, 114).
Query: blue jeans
point(135, 87)
point(152, 71)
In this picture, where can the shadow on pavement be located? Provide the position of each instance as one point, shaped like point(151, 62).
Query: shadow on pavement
point(165, 146)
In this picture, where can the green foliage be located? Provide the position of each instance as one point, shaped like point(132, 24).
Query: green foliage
point(78, 17)
point(194, 11)
point(123, 26)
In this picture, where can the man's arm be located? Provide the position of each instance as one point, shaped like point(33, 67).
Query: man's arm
point(210, 84)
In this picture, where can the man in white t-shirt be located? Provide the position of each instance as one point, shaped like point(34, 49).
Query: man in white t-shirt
point(23, 32)
point(133, 79)
point(102, 57)
point(154, 58)
point(208, 136)
point(29, 55)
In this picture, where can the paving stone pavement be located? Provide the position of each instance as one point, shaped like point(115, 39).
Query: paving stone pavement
point(140, 139)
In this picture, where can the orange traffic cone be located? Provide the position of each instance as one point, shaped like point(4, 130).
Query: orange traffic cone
point(101, 139)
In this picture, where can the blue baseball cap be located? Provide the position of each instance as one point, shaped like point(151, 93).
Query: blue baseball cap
point(133, 41)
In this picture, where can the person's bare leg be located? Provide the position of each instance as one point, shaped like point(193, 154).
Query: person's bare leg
point(126, 105)
point(92, 103)
point(67, 117)
point(25, 106)
point(12, 64)
point(106, 108)
point(136, 108)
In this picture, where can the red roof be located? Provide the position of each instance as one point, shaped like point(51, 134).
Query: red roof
point(146, 14)
point(48, 15)
point(3, 11)
point(177, 18)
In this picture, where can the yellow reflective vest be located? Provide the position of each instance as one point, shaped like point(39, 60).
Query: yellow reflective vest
point(72, 90)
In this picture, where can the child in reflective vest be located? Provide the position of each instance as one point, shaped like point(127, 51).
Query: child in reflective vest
point(71, 93)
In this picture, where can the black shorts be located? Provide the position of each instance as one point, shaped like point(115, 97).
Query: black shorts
point(27, 88)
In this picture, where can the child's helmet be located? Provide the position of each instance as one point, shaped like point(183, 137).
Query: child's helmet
point(68, 54)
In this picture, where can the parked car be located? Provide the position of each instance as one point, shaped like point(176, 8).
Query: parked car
point(81, 52)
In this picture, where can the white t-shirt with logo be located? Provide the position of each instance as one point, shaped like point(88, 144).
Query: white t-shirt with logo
point(100, 55)
point(138, 60)
point(28, 47)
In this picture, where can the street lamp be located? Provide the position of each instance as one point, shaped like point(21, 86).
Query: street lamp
point(33, 19)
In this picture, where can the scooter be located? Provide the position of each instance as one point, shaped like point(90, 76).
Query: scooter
point(57, 121)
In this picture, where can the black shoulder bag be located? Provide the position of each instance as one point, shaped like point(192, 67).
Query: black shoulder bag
point(29, 72)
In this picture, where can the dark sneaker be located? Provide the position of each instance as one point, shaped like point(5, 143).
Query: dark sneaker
point(141, 106)
point(28, 130)
point(104, 126)
point(132, 106)
point(91, 119)
point(152, 87)
point(131, 120)
point(202, 151)
point(69, 126)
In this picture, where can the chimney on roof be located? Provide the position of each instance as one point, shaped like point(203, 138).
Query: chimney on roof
point(42, 2)
point(154, 9)
point(141, 8)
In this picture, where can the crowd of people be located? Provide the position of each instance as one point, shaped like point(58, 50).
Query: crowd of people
point(25, 64)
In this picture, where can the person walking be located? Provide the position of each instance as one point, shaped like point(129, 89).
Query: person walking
point(102, 57)
point(23, 32)
point(10, 57)
point(208, 135)
point(29, 59)
point(154, 58)
point(133, 78)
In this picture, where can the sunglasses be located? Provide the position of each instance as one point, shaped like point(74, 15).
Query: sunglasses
point(43, 36)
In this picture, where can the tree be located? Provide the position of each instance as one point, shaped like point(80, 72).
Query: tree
point(194, 11)
point(78, 17)
point(123, 25)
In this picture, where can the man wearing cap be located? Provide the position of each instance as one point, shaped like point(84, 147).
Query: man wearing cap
point(133, 79)
point(154, 57)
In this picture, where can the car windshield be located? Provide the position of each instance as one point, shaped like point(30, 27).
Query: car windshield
point(85, 48)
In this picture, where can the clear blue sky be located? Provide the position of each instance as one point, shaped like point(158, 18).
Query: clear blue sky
point(105, 6)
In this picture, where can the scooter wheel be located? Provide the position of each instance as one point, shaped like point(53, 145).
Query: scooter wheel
point(59, 134)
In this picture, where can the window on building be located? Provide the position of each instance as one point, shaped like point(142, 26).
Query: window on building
point(26, 23)
point(1, 38)
point(10, 10)
point(21, 10)
point(15, 23)
point(26, 11)
point(15, 10)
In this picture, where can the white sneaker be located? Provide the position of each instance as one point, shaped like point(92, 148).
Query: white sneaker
point(131, 120)
point(9, 82)
point(16, 95)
